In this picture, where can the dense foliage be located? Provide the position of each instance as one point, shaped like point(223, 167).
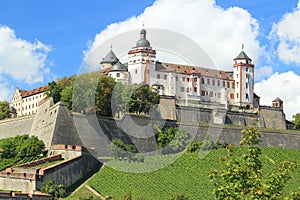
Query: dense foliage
point(296, 121)
point(93, 92)
point(4, 110)
point(57, 191)
point(173, 140)
point(243, 176)
point(20, 149)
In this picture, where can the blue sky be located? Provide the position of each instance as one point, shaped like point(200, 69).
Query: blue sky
point(43, 40)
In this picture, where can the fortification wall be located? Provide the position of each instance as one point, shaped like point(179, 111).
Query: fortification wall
point(16, 126)
point(52, 124)
point(17, 182)
point(272, 118)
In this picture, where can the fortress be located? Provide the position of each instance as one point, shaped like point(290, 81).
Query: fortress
point(195, 98)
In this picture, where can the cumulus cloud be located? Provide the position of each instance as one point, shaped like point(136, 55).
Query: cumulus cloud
point(286, 87)
point(287, 32)
point(20, 60)
point(220, 32)
point(263, 72)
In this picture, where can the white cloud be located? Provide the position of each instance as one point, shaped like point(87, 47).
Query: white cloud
point(287, 31)
point(20, 60)
point(263, 72)
point(286, 87)
point(220, 32)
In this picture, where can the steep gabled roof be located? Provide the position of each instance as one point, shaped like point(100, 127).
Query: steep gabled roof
point(110, 58)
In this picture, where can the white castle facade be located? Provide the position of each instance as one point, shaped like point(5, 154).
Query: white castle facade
point(185, 82)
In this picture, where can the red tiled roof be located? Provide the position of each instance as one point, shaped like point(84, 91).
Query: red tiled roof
point(25, 93)
point(186, 69)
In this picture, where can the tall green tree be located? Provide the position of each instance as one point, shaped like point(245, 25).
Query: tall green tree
point(296, 121)
point(142, 99)
point(4, 110)
point(57, 191)
point(103, 95)
point(66, 96)
point(54, 91)
point(243, 176)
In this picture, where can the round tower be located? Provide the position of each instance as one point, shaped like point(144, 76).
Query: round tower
point(141, 61)
point(119, 72)
point(243, 72)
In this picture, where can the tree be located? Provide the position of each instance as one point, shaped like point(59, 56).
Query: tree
point(296, 121)
point(66, 96)
point(143, 98)
point(49, 187)
point(173, 140)
point(54, 91)
point(4, 110)
point(243, 176)
point(103, 96)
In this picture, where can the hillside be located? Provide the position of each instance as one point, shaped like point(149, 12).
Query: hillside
point(188, 175)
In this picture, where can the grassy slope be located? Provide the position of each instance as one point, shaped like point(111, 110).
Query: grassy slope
point(188, 175)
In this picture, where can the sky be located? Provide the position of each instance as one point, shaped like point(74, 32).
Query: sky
point(41, 41)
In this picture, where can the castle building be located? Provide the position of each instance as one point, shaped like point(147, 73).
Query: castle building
point(26, 102)
point(184, 82)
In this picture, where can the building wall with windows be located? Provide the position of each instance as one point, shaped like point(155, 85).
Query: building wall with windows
point(27, 102)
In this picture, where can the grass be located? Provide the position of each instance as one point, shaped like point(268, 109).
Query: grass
point(188, 175)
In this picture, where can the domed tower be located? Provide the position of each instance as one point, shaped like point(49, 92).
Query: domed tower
point(109, 60)
point(243, 72)
point(119, 72)
point(141, 61)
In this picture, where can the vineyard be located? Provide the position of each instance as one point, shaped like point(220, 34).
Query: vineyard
point(187, 175)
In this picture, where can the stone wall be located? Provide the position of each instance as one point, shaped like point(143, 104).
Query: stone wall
point(52, 124)
point(272, 118)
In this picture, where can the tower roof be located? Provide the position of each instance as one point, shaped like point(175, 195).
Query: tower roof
point(242, 55)
point(277, 99)
point(143, 42)
point(110, 58)
point(118, 67)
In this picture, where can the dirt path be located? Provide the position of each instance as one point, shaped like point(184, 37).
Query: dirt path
point(93, 191)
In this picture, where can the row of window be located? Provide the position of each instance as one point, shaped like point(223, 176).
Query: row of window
point(208, 81)
point(32, 106)
point(237, 76)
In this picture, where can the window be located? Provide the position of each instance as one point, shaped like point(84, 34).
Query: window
point(118, 74)
point(213, 82)
point(202, 81)
point(176, 78)
point(187, 89)
point(165, 77)
point(219, 83)
point(232, 85)
point(187, 80)
point(208, 81)
point(237, 76)
point(181, 89)
point(228, 84)
point(195, 79)
point(202, 93)
point(231, 96)
point(247, 96)
point(195, 89)
point(246, 85)
point(237, 84)
point(32, 105)
point(247, 69)
point(183, 79)
point(237, 95)
point(246, 75)
point(158, 76)
point(223, 83)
